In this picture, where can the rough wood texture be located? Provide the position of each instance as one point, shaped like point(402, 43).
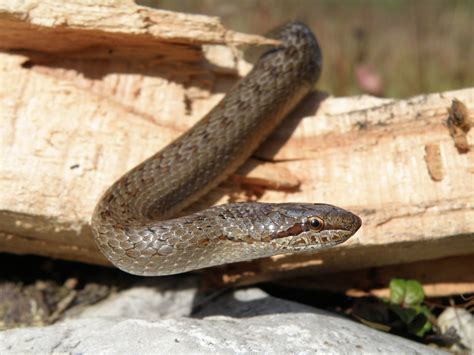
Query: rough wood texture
point(439, 277)
point(88, 91)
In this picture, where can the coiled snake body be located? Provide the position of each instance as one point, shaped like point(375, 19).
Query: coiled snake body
point(133, 225)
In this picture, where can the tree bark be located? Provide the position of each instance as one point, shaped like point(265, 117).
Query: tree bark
point(88, 91)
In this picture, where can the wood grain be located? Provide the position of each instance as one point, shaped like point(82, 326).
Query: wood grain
point(76, 114)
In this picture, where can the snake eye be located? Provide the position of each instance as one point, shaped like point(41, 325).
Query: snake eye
point(315, 223)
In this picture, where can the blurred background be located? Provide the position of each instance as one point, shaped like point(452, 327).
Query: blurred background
point(393, 48)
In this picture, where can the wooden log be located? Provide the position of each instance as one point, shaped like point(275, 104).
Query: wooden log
point(439, 277)
point(88, 91)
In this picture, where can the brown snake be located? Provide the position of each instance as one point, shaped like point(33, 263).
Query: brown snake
point(133, 225)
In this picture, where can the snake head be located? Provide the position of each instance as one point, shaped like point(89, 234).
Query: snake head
point(309, 227)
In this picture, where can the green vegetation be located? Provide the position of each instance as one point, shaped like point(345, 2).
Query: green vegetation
point(406, 301)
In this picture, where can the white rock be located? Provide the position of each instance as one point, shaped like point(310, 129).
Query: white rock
point(462, 321)
point(154, 299)
point(247, 321)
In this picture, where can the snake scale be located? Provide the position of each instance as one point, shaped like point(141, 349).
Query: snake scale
point(134, 222)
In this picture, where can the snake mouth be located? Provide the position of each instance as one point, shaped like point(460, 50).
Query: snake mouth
point(311, 242)
point(334, 237)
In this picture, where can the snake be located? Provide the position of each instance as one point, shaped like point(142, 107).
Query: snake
point(136, 224)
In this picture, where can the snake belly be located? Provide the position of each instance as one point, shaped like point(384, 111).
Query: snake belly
point(133, 222)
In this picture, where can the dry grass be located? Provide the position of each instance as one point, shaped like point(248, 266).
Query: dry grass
point(403, 47)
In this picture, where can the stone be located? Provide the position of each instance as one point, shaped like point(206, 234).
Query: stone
point(154, 320)
point(460, 323)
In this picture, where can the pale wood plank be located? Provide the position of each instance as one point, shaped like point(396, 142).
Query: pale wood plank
point(75, 117)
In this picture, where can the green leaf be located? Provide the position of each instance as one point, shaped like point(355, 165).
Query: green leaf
point(414, 294)
point(397, 291)
point(406, 301)
point(406, 292)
